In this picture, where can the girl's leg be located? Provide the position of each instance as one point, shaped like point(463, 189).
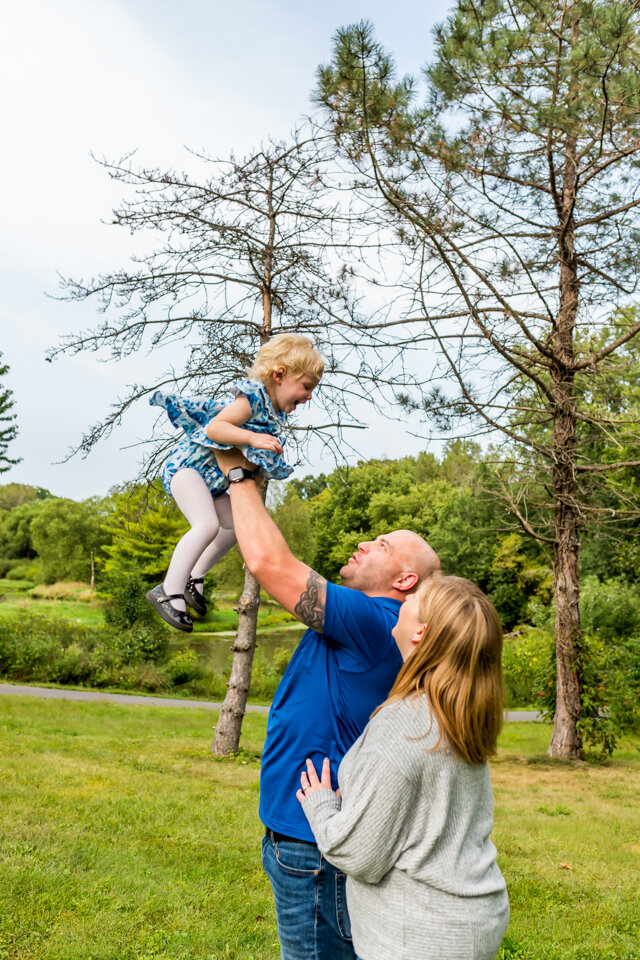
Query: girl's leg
point(194, 500)
point(223, 542)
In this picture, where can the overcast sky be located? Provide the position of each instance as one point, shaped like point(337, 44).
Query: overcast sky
point(106, 77)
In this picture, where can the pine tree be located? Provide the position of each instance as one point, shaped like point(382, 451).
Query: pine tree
point(513, 193)
point(8, 426)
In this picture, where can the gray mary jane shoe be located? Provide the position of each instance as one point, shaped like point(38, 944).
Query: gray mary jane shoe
point(161, 602)
point(193, 596)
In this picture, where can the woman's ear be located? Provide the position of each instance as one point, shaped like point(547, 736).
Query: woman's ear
point(279, 373)
point(418, 633)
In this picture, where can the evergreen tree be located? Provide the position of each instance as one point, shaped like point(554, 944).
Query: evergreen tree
point(513, 193)
point(8, 425)
point(143, 528)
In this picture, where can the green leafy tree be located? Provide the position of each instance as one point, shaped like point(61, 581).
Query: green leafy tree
point(15, 494)
point(68, 538)
point(8, 425)
point(293, 517)
point(15, 531)
point(444, 501)
point(142, 528)
point(513, 194)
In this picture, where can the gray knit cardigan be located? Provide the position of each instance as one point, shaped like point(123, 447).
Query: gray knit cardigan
point(412, 833)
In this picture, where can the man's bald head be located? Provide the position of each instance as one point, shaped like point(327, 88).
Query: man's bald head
point(420, 557)
point(391, 565)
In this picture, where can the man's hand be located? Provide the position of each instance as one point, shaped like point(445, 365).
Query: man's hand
point(232, 458)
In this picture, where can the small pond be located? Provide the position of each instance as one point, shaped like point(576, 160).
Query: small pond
point(216, 649)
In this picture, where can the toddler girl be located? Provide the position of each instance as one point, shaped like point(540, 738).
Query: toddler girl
point(286, 371)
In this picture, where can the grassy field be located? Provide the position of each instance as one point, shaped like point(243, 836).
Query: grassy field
point(123, 839)
point(78, 602)
point(74, 603)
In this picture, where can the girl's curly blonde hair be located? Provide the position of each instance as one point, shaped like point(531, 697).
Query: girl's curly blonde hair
point(292, 351)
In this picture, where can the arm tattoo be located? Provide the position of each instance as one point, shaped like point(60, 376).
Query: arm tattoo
point(310, 606)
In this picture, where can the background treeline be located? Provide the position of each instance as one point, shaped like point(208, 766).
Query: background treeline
point(125, 539)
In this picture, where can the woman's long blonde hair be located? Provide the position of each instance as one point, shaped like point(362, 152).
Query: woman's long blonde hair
point(458, 665)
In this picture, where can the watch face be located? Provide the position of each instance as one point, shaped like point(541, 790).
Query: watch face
point(239, 473)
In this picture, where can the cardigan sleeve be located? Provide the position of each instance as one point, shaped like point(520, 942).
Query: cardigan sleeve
point(363, 836)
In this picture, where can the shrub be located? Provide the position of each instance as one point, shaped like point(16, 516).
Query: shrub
point(611, 690)
point(26, 570)
point(526, 652)
point(266, 675)
point(183, 667)
point(609, 609)
point(127, 603)
point(39, 649)
point(149, 677)
point(81, 592)
point(141, 642)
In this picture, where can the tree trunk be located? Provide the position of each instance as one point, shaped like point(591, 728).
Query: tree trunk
point(226, 738)
point(566, 742)
point(93, 571)
point(229, 727)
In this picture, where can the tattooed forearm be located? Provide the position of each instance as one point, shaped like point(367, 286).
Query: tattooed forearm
point(310, 606)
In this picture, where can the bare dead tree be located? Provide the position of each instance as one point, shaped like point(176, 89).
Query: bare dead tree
point(248, 249)
point(514, 193)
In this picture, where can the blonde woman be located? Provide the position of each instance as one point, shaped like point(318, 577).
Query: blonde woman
point(412, 827)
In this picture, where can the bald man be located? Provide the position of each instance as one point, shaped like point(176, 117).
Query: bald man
point(342, 669)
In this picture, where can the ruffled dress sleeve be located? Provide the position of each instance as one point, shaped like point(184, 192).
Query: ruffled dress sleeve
point(186, 413)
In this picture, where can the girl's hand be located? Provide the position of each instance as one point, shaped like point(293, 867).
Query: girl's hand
point(310, 783)
point(264, 441)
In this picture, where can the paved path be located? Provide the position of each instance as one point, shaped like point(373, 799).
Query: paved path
point(54, 693)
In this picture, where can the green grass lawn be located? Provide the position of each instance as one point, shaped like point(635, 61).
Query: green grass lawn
point(123, 839)
point(18, 595)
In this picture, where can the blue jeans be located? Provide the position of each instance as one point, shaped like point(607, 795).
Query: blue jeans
point(311, 906)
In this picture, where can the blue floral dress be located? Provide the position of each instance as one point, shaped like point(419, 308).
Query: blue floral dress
point(197, 451)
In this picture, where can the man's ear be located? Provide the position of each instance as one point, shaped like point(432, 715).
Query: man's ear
point(405, 582)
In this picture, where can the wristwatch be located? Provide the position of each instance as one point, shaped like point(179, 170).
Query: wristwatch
point(237, 474)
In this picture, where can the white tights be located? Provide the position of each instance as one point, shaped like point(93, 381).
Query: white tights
point(210, 537)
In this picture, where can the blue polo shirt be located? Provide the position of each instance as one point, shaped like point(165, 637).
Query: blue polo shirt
point(333, 683)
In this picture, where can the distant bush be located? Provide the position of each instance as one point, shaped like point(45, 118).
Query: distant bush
point(127, 604)
point(610, 608)
point(81, 592)
point(16, 586)
point(24, 570)
point(266, 674)
point(611, 681)
point(36, 648)
point(183, 667)
point(526, 652)
point(141, 642)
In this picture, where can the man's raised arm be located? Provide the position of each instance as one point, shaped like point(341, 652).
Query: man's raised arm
point(292, 583)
